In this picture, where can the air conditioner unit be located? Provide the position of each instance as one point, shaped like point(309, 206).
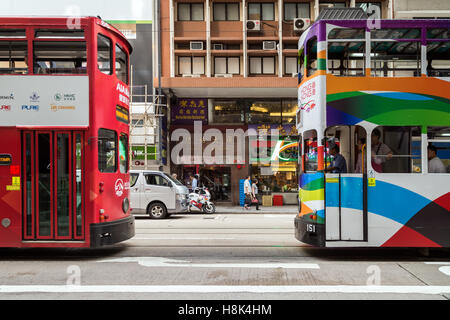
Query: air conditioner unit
point(269, 45)
point(223, 75)
point(195, 75)
point(187, 75)
point(253, 25)
point(301, 24)
point(217, 46)
point(196, 45)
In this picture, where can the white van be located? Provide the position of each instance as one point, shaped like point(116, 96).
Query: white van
point(157, 194)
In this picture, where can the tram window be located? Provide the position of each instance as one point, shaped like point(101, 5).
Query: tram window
point(104, 54)
point(107, 150)
point(346, 58)
point(396, 59)
point(396, 149)
point(12, 33)
point(59, 33)
point(438, 54)
point(311, 59)
point(310, 153)
point(438, 33)
point(439, 138)
point(13, 57)
point(59, 57)
point(123, 153)
point(121, 64)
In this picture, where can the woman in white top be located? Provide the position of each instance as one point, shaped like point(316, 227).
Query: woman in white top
point(255, 192)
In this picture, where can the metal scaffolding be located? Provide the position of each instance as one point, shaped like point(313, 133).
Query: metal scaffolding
point(145, 127)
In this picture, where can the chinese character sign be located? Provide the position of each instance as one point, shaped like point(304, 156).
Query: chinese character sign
point(186, 111)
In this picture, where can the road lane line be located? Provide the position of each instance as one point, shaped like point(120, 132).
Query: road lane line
point(164, 262)
point(434, 290)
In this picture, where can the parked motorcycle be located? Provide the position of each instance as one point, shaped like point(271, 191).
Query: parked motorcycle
point(201, 199)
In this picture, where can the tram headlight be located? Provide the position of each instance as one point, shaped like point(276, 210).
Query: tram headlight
point(125, 205)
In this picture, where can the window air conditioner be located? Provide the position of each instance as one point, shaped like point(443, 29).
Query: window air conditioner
point(196, 45)
point(217, 46)
point(301, 24)
point(269, 45)
point(253, 25)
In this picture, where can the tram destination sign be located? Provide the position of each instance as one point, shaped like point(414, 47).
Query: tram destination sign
point(40, 101)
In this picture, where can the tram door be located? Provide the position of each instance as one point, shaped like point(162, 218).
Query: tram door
point(345, 192)
point(53, 206)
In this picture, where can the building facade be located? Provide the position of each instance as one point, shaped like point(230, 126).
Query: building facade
point(232, 64)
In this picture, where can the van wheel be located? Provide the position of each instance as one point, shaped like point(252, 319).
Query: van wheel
point(157, 211)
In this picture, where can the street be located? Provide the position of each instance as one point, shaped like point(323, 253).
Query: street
point(222, 256)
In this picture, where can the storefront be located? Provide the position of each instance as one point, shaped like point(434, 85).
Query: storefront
point(244, 127)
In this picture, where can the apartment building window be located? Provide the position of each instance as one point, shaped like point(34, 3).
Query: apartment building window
point(227, 65)
point(261, 11)
point(262, 65)
point(190, 12)
point(226, 12)
point(366, 6)
point(191, 65)
point(290, 65)
point(294, 10)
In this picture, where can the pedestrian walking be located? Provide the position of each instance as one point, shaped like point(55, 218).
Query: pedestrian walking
point(255, 199)
point(248, 193)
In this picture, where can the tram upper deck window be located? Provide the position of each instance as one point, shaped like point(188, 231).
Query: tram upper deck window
point(346, 52)
point(59, 33)
point(311, 56)
point(438, 55)
point(104, 54)
point(121, 64)
point(59, 57)
point(13, 57)
point(12, 33)
point(393, 58)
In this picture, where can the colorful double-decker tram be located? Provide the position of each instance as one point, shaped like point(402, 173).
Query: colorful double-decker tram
point(374, 124)
point(64, 98)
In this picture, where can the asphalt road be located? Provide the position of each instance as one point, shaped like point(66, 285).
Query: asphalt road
point(222, 256)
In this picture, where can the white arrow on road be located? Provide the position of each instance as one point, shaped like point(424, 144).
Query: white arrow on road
point(164, 262)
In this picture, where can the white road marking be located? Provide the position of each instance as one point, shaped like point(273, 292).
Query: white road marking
point(164, 262)
point(179, 238)
point(445, 270)
point(222, 289)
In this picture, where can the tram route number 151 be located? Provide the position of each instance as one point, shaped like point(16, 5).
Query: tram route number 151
point(310, 227)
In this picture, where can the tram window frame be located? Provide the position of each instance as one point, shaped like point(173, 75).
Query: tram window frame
point(394, 155)
point(108, 62)
point(122, 62)
point(311, 57)
point(310, 135)
point(396, 59)
point(105, 138)
point(438, 64)
point(124, 165)
point(50, 63)
point(17, 54)
point(439, 137)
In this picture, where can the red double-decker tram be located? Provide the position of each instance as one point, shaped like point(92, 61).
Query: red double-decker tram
point(64, 115)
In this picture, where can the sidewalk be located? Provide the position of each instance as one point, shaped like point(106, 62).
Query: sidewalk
point(287, 209)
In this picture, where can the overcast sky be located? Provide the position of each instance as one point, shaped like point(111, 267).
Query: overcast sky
point(107, 9)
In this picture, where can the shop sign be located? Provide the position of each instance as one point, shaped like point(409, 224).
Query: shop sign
point(186, 111)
